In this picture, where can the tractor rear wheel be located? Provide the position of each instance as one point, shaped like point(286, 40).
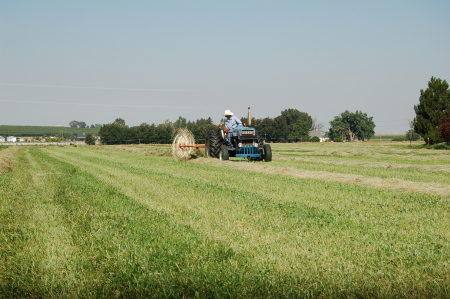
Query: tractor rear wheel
point(267, 156)
point(224, 154)
point(212, 144)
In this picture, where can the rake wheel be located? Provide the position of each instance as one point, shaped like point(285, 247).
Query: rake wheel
point(186, 139)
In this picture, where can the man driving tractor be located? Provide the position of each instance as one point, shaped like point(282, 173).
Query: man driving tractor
point(230, 124)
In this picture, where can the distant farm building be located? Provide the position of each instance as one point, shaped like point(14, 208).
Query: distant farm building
point(11, 139)
point(318, 134)
point(2, 139)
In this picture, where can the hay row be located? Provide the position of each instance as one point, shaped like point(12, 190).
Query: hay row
point(8, 158)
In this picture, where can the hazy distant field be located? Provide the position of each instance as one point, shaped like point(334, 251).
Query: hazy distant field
point(47, 131)
point(357, 220)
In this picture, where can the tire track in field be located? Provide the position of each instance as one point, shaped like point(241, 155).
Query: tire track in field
point(390, 183)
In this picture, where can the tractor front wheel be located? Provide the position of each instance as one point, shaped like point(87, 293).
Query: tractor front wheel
point(267, 156)
point(224, 154)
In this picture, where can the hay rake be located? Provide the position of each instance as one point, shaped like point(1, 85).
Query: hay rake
point(183, 143)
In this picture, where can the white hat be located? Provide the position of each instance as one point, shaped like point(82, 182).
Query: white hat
point(228, 112)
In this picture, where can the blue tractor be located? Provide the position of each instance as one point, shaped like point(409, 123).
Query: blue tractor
point(245, 142)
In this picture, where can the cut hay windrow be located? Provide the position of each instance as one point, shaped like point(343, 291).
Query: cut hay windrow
point(8, 158)
point(125, 221)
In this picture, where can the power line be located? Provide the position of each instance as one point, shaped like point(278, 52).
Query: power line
point(107, 105)
point(114, 88)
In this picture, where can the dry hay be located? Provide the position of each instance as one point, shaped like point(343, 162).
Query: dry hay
point(8, 158)
point(182, 137)
point(428, 168)
point(142, 149)
point(374, 182)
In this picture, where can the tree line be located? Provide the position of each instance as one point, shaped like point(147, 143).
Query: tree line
point(291, 125)
point(83, 125)
point(119, 133)
point(432, 123)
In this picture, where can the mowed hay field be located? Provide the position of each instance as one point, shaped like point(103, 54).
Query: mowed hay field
point(331, 220)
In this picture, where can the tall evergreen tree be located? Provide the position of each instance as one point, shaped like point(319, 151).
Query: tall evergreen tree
point(434, 104)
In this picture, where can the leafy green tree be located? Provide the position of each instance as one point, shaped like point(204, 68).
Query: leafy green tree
point(264, 127)
point(180, 123)
point(82, 124)
point(146, 133)
point(273, 130)
point(120, 122)
point(298, 124)
point(90, 139)
point(165, 132)
point(115, 133)
point(349, 126)
point(200, 127)
point(434, 104)
point(73, 124)
point(203, 121)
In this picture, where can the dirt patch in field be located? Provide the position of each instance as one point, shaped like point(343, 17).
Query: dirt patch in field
point(8, 158)
point(394, 184)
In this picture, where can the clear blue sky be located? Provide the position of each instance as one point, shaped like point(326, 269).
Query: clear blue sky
point(151, 61)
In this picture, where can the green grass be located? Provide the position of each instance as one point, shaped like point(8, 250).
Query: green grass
point(101, 223)
point(34, 131)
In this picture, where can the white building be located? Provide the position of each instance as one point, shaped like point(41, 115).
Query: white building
point(2, 139)
point(318, 134)
point(11, 139)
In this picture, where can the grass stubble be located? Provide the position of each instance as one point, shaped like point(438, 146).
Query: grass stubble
point(85, 222)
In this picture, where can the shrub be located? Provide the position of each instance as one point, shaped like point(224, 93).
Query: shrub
point(441, 146)
point(399, 139)
point(90, 139)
